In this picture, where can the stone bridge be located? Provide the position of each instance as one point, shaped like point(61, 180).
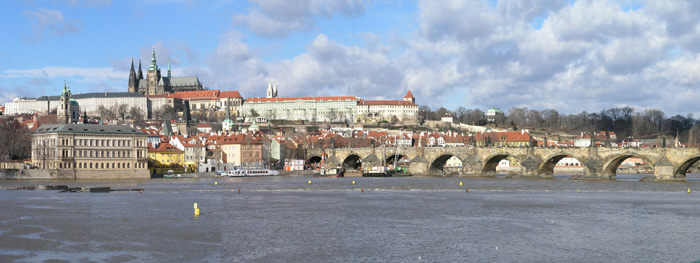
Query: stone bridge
point(601, 163)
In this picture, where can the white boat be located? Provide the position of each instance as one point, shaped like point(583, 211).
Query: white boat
point(251, 172)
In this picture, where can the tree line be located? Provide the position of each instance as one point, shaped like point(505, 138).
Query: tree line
point(624, 121)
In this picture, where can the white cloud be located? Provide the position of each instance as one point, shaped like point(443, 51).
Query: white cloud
point(52, 22)
point(278, 18)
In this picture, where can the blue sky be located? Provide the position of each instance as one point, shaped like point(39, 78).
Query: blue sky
point(571, 56)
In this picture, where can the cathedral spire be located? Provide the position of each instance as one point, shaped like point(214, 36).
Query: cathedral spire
point(168, 68)
point(140, 76)
point(132, 64)
point(153, 58)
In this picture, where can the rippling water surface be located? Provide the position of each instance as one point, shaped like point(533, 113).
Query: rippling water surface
point(406, 219)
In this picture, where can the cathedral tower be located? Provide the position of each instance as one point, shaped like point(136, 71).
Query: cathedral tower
point(133, 80)
point(153, 76)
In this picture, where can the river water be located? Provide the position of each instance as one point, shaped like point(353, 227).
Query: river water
point(403, 219)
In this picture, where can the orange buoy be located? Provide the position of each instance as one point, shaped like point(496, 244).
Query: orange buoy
point(466, 190)
point(362, 190)
point(239, 190)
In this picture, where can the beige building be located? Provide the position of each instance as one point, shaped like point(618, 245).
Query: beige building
point(87, 151)
point(406, 110)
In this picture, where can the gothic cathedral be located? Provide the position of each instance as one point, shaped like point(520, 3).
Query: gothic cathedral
point(155, 84)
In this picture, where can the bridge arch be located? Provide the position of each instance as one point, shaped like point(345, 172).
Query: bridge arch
point(315, 159)
point(390, 159)
point(490, 163)
point(610, 166)
point(438, 164)
point(352, 162)
point(682, 169)
point(547, 166)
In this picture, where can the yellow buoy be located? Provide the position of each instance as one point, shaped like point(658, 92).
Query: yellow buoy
point(460, 183)
point(688, 190)
point(579, 190)
point(196, 210)
point(309, 181)
point(216, 183)
point(353, 182)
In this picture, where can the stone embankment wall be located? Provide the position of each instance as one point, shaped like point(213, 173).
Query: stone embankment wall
point(30, 174)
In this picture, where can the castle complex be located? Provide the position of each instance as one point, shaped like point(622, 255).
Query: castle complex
point(155, 84)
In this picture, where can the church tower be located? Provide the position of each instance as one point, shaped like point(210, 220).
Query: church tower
point(63, 112)
point(269, 90)
point(409, 97)
point(274, 89)
point(153, 76)
point(133, 80)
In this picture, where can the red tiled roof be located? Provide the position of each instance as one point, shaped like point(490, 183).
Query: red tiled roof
point(342, 98)
point(409, 95)
point(212, 94)
point(164, 95)
point(230, 94)
point(45, 119)
point(164, 147)
point(386, 102)
point(508, 136)
point(203, 125)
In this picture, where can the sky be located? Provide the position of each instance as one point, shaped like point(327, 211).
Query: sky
point(571, 56)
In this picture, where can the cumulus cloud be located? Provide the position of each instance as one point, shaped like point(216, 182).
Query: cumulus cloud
point(46, 21)
point(278, 18)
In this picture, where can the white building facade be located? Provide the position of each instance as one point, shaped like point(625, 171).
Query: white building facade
point(89, 102)
point(319, 109)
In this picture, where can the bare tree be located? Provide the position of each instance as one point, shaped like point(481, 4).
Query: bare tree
point(332, 115)
point(137, 115)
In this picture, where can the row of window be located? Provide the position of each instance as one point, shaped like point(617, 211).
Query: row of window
point(105, 143)
point(88, 165)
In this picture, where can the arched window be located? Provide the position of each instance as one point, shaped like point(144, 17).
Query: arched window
point(90, 165)
point(119, 165)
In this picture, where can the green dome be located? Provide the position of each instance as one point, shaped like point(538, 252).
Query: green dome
point(72, 101)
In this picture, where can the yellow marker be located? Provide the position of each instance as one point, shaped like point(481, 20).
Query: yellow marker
point(309, 181)
point(216, 183)
point(196, 210)
point(460, 183)
point(353, 182)
point(579, 190)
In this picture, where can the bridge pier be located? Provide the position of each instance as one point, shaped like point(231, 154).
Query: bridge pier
point(419, 166)
point(664, 170)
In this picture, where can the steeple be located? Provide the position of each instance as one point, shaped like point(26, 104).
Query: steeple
point(140, 76)
point(153, 65)
point(168, 68)
point(269, 89)
point(153, 58)
point(274, 89)
point(133, 81)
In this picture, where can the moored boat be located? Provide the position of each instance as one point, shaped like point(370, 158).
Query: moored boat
point(330, 172)
point(251, 172)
